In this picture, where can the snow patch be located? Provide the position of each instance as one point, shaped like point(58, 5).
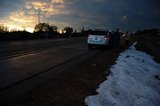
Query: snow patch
point(131, 83)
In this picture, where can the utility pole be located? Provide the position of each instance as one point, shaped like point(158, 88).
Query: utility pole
point(38, 16)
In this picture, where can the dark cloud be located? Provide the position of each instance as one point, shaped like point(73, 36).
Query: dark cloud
point(126, 14)
point(111, 13)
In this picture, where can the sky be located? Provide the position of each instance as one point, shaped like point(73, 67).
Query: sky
point(95, 14)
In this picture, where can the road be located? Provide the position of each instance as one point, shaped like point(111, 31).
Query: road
point(52, 72)
point(22, 61)
point(12, 49)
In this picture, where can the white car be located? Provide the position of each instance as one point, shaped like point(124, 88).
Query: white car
point(99, 38)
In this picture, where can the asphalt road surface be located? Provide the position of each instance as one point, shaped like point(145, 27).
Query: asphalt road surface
point(22, 61)
point(52, 72)
point(13, 49)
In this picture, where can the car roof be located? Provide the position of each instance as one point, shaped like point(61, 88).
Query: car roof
point(99, 33)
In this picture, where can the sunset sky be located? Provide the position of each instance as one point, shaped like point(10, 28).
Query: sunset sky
point(111, 14)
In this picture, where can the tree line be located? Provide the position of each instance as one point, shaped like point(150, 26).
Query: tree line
point(41, 31)
point(153, 31)
point(46, 31)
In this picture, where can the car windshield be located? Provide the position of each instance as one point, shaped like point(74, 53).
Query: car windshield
point(99, 33)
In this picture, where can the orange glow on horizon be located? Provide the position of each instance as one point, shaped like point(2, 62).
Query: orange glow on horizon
point(31, 30)
point(27, 16)
point(17, 28)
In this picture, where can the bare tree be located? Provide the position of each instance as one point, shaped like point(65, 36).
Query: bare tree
point(54, 28)
point(41, 27)
point(44, 27)
point(68, 31)
point(3, 29)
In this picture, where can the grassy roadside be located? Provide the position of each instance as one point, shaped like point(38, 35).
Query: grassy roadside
point(143, 45)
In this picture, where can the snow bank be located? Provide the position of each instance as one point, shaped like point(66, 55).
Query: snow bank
point(131, 83)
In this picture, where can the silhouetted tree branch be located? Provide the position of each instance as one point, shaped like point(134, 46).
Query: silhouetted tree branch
point(68, 31)
point(3, 29)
